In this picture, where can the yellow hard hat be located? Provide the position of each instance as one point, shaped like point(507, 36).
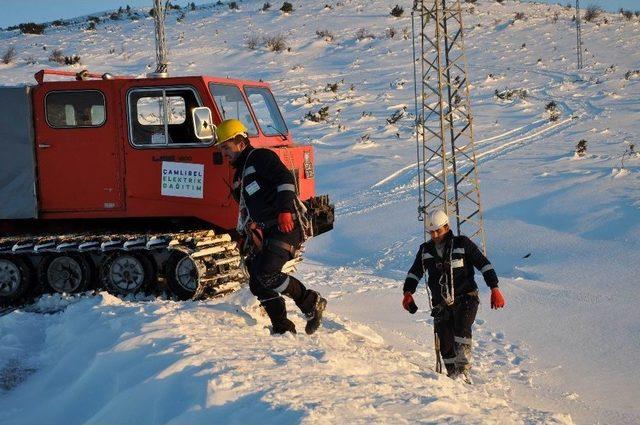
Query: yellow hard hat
point(228, 129)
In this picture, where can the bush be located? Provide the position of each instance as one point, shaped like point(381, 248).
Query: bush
point(91, 26)
point(71, 60)
point(581, 148)
point(397, 11)
point(363, 34)
point(57, 56)
point(233, 5)
point(321, 115)
point(266, 6)
point(59, 23)
point(510, 94)
point(627, 14)
point(397, 115)
point(276, 43)
point(325, 35)
point(592, 13)
point(31, 28)
point(286, 7)
point(632, 74)
point(95, 19)
point(520, 16)
point(252, 42)
point(333, 87)
point(390, 32)
point(9, 56)
point(552, 111)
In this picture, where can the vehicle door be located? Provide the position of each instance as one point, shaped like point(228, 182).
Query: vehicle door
point(77, 149)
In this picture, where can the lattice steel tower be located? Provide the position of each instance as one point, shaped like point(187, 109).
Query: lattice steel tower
point(579, 34)
point(444, 133)
point(161, 42)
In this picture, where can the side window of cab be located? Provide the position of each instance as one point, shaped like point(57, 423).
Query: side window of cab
point(161, 117)
point(75, 109)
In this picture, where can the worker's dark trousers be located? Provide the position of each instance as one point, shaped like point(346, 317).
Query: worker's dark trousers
point(268, 282)
point(453, 326)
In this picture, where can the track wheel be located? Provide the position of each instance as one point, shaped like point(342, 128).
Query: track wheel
point(66, 273)
point(182, 275)
point(15, 278)
point(127, 273)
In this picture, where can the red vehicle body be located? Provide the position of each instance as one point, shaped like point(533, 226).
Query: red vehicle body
point(112, 178)
point(121, 150)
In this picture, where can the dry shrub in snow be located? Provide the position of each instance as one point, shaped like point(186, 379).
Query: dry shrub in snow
point(510, 94)
point(627, 14)
point(390, 32)
point(286, 7)
point(592, 13)
point(252, 42)
point(58, 57)
point(364, 34)
point(581, 148)
point(321, 115)
point(552, 111)
point(325, 35)
point(233, 5)
point(520, 16)
point(630, 152)
point(276, 43)
point(9, 56)
point(397, 11)
point(632, 74)
point(266, 7)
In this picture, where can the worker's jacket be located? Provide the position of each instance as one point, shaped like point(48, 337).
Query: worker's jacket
point(459, 258)
point(268, 187)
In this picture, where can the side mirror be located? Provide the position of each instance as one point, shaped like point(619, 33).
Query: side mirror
point(203, 124)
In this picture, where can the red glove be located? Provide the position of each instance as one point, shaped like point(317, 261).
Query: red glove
point(497, 300)
point(285, 222)
point(408, 303)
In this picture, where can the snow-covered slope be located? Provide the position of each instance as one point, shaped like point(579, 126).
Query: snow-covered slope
point(567, 343)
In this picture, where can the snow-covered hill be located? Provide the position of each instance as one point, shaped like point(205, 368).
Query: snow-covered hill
point(565, 348)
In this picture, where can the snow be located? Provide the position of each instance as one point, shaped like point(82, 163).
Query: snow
point(565, 348)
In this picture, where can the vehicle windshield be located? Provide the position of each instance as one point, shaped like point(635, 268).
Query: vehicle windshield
point(266, 111)
point(231, 104)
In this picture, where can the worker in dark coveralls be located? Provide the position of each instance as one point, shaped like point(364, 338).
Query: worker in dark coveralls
point(266, 192)
point(447, 258)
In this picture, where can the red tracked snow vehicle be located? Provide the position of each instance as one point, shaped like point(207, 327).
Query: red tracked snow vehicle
point(115, 180)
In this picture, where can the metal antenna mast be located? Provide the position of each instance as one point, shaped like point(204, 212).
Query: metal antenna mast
point(579, 34)
point(444, 134)
point(161, 43)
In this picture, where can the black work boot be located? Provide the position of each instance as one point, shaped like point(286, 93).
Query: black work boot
point(315, 316)
point(452, 370)
point(308, 301)
point(277, 312)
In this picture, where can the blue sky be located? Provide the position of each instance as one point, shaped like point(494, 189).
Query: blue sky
point(17, 11)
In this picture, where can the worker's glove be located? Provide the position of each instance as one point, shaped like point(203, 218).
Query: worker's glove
point(497, 300)
point(408, 303)
point(285, 222)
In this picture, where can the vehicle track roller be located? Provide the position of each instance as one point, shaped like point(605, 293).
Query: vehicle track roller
point(127, 272)
point(68, 273)
point(182, 275)
point(15, 278)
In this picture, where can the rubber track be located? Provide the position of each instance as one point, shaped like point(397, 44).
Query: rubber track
point(216, 256)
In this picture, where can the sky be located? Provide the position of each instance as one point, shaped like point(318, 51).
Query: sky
point(15, 12)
